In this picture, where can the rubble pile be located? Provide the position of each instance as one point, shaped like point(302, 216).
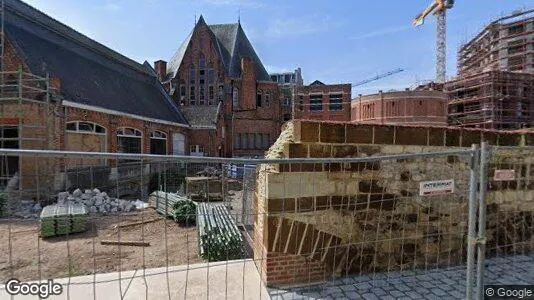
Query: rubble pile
point(96, 201)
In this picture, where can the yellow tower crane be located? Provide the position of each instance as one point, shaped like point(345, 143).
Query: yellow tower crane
point(438, 8)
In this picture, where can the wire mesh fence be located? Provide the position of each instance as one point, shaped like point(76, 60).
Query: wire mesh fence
point(181, 227)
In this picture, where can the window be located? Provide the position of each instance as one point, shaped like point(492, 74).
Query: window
point(201, 63)
point(336, 102)
point(196, 150)
point(316, 102)
point(301, 103)
point(244, 141)
point(85, 127)
point(192, 95)
point(258, 99)
point(211, 94)
point(250, 141)
point(237, 143)
point(158, 142)
point(182, 92)
point(287, 78)
point(287, 102)
point(266, 138)
point(221, 92)
point(129, 140)
point(258, 141)
point(211, 76)
point(201, 95)
point(273, 78)
point(516, 29)
point(192, 74)
point(235, 97)
point(267, 99)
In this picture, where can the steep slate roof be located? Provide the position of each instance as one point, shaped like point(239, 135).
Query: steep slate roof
point(90, 73)
point(202, 116)
point(232, 44)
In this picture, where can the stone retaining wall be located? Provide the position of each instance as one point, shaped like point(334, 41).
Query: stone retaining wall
point(314, 221)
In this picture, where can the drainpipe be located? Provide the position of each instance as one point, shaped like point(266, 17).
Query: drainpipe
point(381, 107)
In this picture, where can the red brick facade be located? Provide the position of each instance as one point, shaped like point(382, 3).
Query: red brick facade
point(406, 107)
point(251, 115)
point(327, 102)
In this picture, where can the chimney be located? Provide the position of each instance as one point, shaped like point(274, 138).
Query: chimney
point(161, 69)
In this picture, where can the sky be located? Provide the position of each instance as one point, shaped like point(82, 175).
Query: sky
point(335, 41)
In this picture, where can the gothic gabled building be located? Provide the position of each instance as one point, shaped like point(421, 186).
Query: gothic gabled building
point(217, 68)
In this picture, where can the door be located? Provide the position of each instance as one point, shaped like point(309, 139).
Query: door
point(178, 144)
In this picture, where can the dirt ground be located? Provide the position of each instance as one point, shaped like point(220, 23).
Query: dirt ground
point(80, 254)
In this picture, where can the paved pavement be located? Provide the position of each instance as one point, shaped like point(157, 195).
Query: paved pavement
point(238, 279)
point(440, 284)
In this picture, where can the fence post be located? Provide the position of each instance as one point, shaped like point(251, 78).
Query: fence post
point(485, 154)
point(471, 235)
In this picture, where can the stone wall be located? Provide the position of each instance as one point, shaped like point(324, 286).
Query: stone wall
point(314, 221)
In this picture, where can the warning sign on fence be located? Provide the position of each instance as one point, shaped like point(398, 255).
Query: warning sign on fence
point(504, 175)
point(438, 187)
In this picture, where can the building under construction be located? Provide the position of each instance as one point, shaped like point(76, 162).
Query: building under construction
point(506, 44)
point(495, 84)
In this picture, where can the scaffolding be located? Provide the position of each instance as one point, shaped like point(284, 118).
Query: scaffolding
point(505, 44)
point(492, 100)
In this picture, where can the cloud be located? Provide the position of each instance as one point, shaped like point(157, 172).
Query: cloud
point(289, 27)
point(382, 32)
point(111, 6)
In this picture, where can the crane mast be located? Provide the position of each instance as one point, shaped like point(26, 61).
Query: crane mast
point(439, 8)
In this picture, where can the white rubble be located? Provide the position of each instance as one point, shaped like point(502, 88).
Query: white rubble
point(96, 201)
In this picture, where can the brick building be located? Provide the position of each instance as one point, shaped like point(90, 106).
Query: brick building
point(505, 44)
point(73, 93)
point(418, 107)
point(495, 83)
point(319, 101)
point(216, 75)
point(288, 82)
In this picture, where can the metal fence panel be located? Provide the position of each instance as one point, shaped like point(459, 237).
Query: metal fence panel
point(342, 227)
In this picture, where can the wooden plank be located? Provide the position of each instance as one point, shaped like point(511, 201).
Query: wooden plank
point(139, 223)
point(125, 243)
point(342, 261)
point(327, 248)
point(289, 236)
point(303, 238)
point(277, 234)
point(315, 245)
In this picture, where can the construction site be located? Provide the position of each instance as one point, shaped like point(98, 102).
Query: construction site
point(209, 178)
point(495, 83)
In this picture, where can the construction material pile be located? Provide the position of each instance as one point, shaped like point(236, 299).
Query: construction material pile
point(180, 208)
point(219, 237)
point(96, 201)
point(63, 219)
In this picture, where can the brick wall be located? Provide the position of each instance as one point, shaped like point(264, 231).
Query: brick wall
point(407, 107)
point(302, 103)
point(312, 219)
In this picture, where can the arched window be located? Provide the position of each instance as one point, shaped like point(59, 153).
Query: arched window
point(259, 98)
point(129, 140)
point(158, 142)
point(85, 127)
point(86, 137)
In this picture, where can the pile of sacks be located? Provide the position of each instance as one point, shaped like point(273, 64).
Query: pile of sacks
point(96, 201)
